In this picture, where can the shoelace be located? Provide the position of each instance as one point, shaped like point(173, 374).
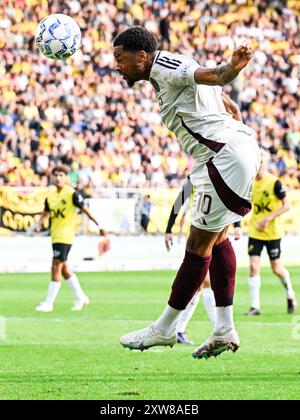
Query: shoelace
point(142, 332)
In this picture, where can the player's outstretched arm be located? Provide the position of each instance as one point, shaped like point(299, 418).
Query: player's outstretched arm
point(223, 74)
point(86, 211)
point(44, 216)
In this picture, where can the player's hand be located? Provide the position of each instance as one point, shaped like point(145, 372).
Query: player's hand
point(102, 232)
point(262, 225)
point(37, 228)
point(237, 233)
point(241, 57)
point(168, 241)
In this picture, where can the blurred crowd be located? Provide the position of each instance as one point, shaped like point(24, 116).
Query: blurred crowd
point(80, 113)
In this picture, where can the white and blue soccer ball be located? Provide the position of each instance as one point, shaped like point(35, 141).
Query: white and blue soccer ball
point(58, 36)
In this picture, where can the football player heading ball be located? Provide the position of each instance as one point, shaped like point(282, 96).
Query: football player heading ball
point(227, 159)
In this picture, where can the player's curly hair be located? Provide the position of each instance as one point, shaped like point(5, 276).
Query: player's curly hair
point(136, 38)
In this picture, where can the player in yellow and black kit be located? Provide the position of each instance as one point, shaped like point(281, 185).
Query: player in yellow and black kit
point(265, 230)
point(61, 206)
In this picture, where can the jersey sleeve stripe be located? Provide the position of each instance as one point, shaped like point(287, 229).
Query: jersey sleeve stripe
point(171, 60)
point(167, 66)
point(168, 62)
point(157, 57)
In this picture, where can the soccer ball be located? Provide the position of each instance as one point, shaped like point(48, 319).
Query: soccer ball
point(58, 36)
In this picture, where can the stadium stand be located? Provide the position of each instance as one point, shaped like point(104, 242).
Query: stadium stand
point(75, 112)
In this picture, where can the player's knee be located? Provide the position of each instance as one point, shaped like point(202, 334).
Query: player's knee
point(195, 249)
point(199, 249)
point(254, 272)
point(56, 265)
point(200, 242)
point(66, 272)
point(277, 269)
point(222, 236)
point(56, 270)
point(67, 275)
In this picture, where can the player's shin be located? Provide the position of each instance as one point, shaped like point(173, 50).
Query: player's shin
point(209, 304)
point(222, 277)
point(53, 290)
point(254, 288)
point(189, 278)
point(287, 283)
point(75, 287)
point(187, 314)
point(47, 305)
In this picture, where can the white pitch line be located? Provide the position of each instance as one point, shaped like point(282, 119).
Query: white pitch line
point(34, 319)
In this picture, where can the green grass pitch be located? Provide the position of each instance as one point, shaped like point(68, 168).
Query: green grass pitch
point(67, 355)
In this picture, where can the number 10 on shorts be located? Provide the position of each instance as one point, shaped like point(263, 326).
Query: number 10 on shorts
point(204, 203)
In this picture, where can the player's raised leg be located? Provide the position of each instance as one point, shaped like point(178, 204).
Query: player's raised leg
point(222, 277)
point(72, 281)
point(189, 278)
point(208, 297)
point(53, 288)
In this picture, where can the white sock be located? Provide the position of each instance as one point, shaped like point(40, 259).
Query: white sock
point(254, 287)
point(53, 289)
point(287, 283)
point(187, 314)
point(74, 285)
point(209, 304)
point(224, 321)
point(167, 322)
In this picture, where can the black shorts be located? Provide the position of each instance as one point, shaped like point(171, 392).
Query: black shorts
point(255, 246)
point(61, 251)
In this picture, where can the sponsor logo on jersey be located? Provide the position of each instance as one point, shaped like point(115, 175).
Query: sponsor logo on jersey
point(55, 214)
point(262, 207)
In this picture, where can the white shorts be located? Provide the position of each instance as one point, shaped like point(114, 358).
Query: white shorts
point(223, 186)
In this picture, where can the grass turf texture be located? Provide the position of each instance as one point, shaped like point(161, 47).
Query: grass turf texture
point(67, 355)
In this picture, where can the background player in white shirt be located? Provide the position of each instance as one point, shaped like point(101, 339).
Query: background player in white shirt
point(226, 158)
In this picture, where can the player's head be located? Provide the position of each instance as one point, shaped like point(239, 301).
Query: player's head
point(60, 176)
point(134, 50)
